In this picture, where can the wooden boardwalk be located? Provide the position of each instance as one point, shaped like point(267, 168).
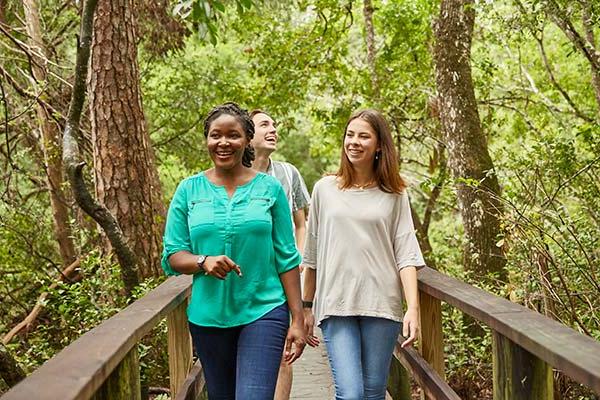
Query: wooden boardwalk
point(312, 376)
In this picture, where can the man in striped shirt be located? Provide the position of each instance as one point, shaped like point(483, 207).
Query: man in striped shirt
point(265, 143)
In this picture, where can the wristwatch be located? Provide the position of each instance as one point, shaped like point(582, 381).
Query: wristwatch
point(307, 304)
point(200, 263)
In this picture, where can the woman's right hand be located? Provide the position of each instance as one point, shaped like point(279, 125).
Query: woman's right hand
point(220, 266)
point(309, 326)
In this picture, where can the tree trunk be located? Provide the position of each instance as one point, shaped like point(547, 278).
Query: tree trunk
point(72, 157)
point(541, 257)
point(10, 370)
point(3, 11)
point(50, 141)
point(468, 157)
point(126, 176)
point(588, 25)
point(585, 45)
point(437, 160)
point(371, 52)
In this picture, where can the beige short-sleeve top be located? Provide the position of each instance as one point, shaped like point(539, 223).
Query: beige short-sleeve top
point(357, 241)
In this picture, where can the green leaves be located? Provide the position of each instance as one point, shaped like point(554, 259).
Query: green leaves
point(205, 15)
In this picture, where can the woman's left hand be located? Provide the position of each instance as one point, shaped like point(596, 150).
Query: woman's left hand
point(410, 326)
point(296, 336)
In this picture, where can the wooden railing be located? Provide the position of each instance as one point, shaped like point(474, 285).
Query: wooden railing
point(103, 363)
point(525, 345)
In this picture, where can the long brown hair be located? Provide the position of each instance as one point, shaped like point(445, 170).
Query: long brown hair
point(385, 164)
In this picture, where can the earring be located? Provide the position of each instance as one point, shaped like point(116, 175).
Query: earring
point(377, 154)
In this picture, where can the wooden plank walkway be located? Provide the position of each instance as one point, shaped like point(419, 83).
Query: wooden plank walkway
point(312, 376)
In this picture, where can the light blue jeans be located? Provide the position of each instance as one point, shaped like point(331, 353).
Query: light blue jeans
point(360, 352)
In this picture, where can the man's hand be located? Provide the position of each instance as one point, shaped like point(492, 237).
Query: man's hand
point(309, 325)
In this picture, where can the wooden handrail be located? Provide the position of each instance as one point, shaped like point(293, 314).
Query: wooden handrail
point(107, 354)
point(431, 382)
point(191, 389)
point(576, 355)
point(79, 370)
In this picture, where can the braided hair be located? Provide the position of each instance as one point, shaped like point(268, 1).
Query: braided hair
point(231, 108)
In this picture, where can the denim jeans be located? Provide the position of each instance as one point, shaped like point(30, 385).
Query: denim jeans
point(242, 362)
point(360, 352)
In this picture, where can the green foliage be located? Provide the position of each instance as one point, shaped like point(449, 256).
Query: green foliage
point(73, 308)
point(205, 14)
point(25, 239)
point(468, 358)
point(305, 63)
point(181, 92)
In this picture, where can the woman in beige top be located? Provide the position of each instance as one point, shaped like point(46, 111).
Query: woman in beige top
point(361, 255)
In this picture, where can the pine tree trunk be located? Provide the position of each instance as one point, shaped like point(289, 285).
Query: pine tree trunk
point(126, 176)
point(50, 142)
point(468, 156)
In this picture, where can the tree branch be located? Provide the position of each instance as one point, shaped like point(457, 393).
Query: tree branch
point(74, 167)
point(27, 322)
point(437, 189)
point(588, 26)
point(555, 83)
point(565, 24)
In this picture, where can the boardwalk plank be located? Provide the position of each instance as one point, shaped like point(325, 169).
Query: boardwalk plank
point(312, 376)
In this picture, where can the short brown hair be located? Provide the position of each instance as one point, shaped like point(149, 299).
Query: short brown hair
point(385, 165)
point(257, 111)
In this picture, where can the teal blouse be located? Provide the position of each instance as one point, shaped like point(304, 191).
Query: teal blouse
point(253, 228)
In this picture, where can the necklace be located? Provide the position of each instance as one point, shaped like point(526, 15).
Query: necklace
point(363, 186)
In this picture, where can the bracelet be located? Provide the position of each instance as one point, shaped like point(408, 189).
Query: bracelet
point(307, 304)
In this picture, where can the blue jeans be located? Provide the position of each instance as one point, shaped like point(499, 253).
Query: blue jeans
point(360, 351)
point(242, 362)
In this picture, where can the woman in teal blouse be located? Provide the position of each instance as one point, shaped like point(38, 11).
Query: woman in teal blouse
point(230, 228)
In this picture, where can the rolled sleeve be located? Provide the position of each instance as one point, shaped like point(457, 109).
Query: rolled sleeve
point(176, 237)
point(408, 252)
point(287, 256)
point(406, 246)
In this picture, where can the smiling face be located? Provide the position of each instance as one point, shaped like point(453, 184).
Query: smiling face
point(265, 133)
point(360, 144)
point(226, 142)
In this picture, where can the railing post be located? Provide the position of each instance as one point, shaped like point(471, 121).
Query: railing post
point(432, 337)
point(124, 382)
point(518, 374)
point(180, 347)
